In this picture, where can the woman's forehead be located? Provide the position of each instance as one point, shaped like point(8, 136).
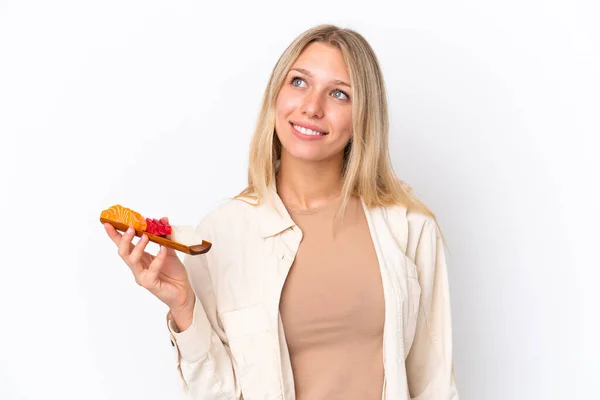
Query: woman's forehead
point(322, 60)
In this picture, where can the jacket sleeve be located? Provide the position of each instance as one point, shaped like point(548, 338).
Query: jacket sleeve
point(204, 363)
point(429, 364)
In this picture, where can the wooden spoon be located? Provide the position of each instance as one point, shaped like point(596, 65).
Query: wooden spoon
point(192, 250)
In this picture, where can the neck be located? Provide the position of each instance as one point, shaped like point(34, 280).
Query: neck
point(307, 184)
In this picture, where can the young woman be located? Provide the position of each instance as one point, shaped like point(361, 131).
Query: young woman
point(327, 277)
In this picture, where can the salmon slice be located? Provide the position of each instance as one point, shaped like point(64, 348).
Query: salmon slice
point(126, 216)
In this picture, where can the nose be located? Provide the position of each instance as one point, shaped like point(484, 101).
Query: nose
point(312, 106)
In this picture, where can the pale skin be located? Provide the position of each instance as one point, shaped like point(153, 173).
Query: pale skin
point(164, 275)
point(316, 95)
point(310, 170)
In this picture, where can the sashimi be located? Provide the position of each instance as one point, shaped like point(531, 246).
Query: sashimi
point(126, 216)
point(157, 227)
point(181, 238)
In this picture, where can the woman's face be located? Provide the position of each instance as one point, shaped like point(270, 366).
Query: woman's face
point(313, 111)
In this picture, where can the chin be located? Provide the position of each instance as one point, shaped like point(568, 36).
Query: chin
point(306, 157)
point(304, 154)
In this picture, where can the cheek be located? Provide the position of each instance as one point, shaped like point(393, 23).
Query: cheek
point(285, 104)
point(343, 122)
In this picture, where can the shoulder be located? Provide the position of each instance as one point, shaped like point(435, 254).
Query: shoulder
point(409, 226)
point(418, 221)
point(228, 215)
point(415, 220)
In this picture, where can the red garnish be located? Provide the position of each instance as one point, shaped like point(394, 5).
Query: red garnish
point(157, 227)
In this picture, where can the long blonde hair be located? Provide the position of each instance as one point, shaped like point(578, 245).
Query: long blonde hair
point(367, 169)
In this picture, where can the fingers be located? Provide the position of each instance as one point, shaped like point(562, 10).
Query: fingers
point(132, 255)
point(127, 251)
point(151, 274)
point(138, 250)
point(125, 245)
point(169, 252)
point(114, 235)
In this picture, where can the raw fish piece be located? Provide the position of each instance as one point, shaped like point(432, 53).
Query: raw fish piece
point(126, 216)
point(157, 227)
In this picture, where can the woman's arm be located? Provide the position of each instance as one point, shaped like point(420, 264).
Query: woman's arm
point(429, 364)
point(203, 358)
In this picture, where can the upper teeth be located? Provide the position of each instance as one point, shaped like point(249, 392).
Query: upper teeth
point(306, 131)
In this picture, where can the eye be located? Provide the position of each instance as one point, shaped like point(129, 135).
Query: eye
point(338, 94)
point(298, 82)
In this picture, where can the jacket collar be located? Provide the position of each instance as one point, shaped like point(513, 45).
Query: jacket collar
point(273, 216)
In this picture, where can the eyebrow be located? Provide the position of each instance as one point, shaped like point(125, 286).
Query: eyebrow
point(307, 73)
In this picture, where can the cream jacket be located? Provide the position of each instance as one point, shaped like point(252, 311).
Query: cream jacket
point(236, 347)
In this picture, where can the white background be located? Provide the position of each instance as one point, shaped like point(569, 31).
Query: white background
point(494, 113)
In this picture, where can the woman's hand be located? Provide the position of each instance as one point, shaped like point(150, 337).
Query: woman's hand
point(164, 275)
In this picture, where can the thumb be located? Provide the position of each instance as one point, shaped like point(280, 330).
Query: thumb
point(168, 251)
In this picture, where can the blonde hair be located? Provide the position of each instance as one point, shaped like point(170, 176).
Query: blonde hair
point(367, 169)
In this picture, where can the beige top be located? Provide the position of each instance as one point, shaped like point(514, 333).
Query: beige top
point(332, 308)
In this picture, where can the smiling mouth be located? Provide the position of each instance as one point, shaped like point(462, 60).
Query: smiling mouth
point(306, 131)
